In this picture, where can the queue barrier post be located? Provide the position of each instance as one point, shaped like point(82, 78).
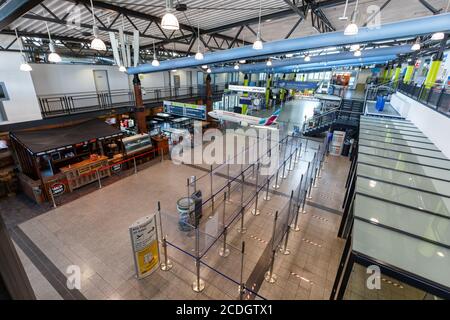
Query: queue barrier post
point(276, 185)
point(315, 178)
point(269, 276)
point(304, 202)
point(267, 196)
point(242, 229)
point(166, 265)
point(284, 249)
point(135, 166)
point(198, 285)
point(255, 210)
point(242, 284)
point(52, 197)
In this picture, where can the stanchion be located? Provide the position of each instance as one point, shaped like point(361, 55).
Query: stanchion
point(166, 265)
point(135, 166)
point(269, 275)
point(276, 185)
point(198, 285)
point(188, 191)
point(224, 251)
point(242, 229)
point(295, 226)
point(267, 196)
point(304, 201)
point(284, 175)
point(52, 197)
point(256, 211)
point(242, 284)
point(315, 178)
point(284, 249)
point(242, 189)
point(211, 185)
point(291, 167)
point(310, 188)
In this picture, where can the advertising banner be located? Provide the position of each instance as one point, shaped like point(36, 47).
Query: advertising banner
point(247, 89)
point(185, 109)
point(144, 241)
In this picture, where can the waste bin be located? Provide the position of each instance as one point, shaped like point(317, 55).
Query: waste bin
point(346, 148)
point(381, 100)
point(237, 109)
point(185, 206)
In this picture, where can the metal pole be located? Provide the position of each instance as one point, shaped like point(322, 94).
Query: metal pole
point(242, 229)
point(228, 177)
point(284, 175)
point(276, 185)
point(188, 193)
point(304, 201)
point(315, 178)
point(211, 184)
point(242, 189)
point(255, 211)
point(284, 250)
point(269, 276)
point(166, 265)
point(198, 285)
point(135, 167)
point(290, 167)
point(310, 187)
point(242, 284)
point(267, 197)
point(52, 197)
point(224, 251)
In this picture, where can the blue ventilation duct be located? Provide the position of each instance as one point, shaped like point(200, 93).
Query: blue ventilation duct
point(402, 29)
point(335, 64)
point(330, 57)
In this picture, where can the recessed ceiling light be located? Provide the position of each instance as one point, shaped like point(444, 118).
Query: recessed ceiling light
point(374, 220)
point(372, 183)
point(440, 254)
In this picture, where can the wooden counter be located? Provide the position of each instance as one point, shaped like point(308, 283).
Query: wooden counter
point(85, 172)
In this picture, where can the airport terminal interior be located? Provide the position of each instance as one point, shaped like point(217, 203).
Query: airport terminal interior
point(224, 150)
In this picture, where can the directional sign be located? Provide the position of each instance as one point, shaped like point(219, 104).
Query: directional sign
point(296, 85)
point(185, 109)
point(233, 87)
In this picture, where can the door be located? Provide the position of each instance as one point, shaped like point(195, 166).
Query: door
point(102, 87)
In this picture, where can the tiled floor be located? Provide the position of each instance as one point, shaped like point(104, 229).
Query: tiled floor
point(92, 232)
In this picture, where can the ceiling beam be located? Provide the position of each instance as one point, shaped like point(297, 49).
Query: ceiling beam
point(144, 16)
point(15, 9)
point(278, 15)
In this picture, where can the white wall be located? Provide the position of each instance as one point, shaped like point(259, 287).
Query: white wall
point(23, 104)
point(59, 78)
point(433, 124)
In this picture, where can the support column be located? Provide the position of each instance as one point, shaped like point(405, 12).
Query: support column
point(434, 70)
point(208, 98)
point(409, 71)
point(139, 109)
point(398, 70)
point(245, 94)
point(268, 85)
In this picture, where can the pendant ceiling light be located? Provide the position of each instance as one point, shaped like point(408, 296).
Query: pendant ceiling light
point(416, 46)
point(437, 36)
point(199, 54)
point(24, 65)
point(205, 66)
point(242, 61)
point(97, 43)
point(354, 47)
point(53, 56)
point(344, 16)
point(307, 58)
point(352, 28)
point(169, 21)
point(209, 70)
point(258, 45)
point(289, 55)
point(357, 53)
point(236, 66)
point(155, 61)
point(269, 63)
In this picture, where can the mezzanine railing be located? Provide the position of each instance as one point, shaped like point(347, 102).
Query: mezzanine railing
point(78, 102)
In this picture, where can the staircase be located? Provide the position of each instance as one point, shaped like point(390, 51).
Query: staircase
point(346, 116)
